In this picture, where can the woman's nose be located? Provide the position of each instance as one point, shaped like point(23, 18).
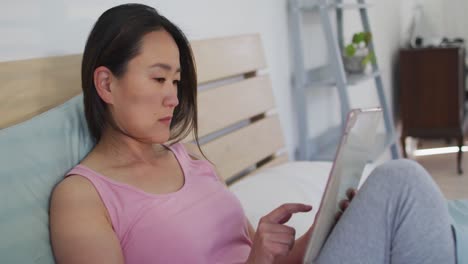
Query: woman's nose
point(171, 100)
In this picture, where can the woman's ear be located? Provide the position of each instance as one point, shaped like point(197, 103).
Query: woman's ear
point(102, 82)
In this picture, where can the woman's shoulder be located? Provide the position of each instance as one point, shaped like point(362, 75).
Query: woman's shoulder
point(76, 214)
point(74, 187)
point(77, 194)
point(193, 151)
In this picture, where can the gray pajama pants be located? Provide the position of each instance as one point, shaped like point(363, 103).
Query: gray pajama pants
point(398, 216)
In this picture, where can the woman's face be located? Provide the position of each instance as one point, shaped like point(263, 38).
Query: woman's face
point(144, 98)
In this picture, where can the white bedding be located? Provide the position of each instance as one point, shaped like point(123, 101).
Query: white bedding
point(302, 181)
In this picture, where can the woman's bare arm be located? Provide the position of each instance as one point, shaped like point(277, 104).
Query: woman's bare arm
point(80, 229)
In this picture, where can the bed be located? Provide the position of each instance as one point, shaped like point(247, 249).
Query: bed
point(43, 135)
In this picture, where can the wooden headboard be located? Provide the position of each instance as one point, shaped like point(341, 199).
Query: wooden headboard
point(238, 127)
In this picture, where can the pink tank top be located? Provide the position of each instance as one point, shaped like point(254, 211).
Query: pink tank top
point(203, 222)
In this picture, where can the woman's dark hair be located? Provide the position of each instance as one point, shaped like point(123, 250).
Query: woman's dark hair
point(116, 38)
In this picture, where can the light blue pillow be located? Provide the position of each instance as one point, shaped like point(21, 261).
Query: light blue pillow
point(34, 156)
point(459, 211)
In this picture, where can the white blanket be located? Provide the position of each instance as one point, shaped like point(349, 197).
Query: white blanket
point(295, 182)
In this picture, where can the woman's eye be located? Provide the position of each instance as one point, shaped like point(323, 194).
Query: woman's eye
point(176, 82)
point(160, 80)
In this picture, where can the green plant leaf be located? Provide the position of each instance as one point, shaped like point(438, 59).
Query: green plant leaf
point(368, 38)
point(362, 37)
point(358, 37)
point(369, 58)
point(350, 50)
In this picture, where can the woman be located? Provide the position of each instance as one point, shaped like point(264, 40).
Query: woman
point(134, 199)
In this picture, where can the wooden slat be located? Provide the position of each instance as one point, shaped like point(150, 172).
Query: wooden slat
point(224, 57)
point(237, 151)
point(30, 87)
point(274, 162)
point(223, 106)
point(278, 160)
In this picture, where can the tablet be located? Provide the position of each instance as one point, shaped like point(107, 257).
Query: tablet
point(353, 153)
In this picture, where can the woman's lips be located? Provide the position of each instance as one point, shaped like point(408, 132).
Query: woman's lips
point(166, 120)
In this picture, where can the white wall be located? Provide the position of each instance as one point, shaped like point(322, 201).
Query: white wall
point(427, 14)
point(442, 18)
point(31, 28)
point(455, 23)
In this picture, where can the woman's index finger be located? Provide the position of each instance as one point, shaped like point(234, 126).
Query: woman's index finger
point(285, 210)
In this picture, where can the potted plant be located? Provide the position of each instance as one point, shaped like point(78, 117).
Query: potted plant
point(356, 54)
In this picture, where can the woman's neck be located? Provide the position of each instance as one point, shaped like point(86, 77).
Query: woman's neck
point(126, 150)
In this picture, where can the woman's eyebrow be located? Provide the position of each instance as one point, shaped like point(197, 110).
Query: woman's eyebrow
point(164, 66)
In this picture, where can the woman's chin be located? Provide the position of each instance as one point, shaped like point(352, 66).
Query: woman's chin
point(160, 139)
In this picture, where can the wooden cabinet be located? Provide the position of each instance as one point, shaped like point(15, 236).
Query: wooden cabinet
point(432, 94)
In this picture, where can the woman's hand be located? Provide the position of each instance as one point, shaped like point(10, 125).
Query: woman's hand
point(351, 193)
point(272, 238)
